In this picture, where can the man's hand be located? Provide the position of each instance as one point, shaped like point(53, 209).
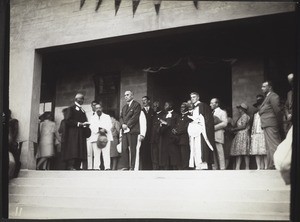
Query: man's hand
point(289, 117)
point(124, 127)
point(102, 130)
point(141, 138)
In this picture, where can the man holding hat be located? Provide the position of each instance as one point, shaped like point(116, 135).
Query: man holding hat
point(101, 125)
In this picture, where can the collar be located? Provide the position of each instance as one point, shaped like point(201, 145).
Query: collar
point(196, 103)
point(158, 112)
point(184, 113)
point(77, 104)
point(129, 104)
point(217, 109)
point(268, 93)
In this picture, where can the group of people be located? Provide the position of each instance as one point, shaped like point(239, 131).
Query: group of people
point(270, 125)
point(157, 138)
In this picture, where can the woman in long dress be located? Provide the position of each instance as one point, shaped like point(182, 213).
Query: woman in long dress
point(46, 142)
point(241, 143)
point(258, 144)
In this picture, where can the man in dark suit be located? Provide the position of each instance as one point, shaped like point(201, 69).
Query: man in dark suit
point(129, 120)
point(158, 114)
point(169, 153)
point(183, 137)
point(271, 121)
point(77, 130)
point(145, 151)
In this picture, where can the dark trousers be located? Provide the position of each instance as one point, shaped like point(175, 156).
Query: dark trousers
point(73, 164)
point(129, 140)
point(145, 155)
point(154, 156)
point(185, 156)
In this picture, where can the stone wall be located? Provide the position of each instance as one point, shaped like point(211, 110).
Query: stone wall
point(247, 78)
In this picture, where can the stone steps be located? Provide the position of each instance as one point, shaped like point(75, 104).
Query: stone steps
point(259, 195)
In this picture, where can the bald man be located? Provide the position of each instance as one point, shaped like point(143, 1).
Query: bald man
point(129, 120)
point(77, 130)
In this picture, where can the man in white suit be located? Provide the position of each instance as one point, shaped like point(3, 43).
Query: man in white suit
point(90, 154)
point(221, 121)
point(101, 123)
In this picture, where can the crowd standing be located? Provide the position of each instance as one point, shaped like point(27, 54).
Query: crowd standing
point(153, 136)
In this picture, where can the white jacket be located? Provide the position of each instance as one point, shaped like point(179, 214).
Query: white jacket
point(104, 121)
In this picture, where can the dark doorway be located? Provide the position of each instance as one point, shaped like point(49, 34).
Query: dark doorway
point(107, 91)
point(209, 79)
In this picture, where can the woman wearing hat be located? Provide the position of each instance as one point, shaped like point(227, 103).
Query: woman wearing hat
point(258, 144)
point(241, 142)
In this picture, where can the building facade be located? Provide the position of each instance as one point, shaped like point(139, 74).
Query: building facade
point(220, 49)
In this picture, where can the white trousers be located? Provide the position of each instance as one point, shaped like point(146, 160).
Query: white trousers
point(219, 157)
point(196, 154)
point(105, 153)
point(90, 155)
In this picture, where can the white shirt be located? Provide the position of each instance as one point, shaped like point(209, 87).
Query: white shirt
point(222, 115)
point(169, 115)
point(103, 121)
point(129, 104)
point(143, 124)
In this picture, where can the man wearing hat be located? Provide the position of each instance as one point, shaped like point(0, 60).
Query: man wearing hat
point(271, 121)
point(77, 130)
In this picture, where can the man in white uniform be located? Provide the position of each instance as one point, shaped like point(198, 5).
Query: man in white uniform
point(101, 122)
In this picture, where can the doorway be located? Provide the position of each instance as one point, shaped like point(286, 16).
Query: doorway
point(210, 78)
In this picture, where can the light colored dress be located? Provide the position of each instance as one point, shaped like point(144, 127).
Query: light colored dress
point(47, 136)
point(115, 130)
point(241, 142)
point(258, 144)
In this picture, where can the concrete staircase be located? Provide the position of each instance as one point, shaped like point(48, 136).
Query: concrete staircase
point(249, 195)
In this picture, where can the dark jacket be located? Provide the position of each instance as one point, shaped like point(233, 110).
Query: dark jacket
point(130, 116)
point(181, 128)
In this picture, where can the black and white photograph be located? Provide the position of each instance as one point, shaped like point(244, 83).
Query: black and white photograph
point(150, 109)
